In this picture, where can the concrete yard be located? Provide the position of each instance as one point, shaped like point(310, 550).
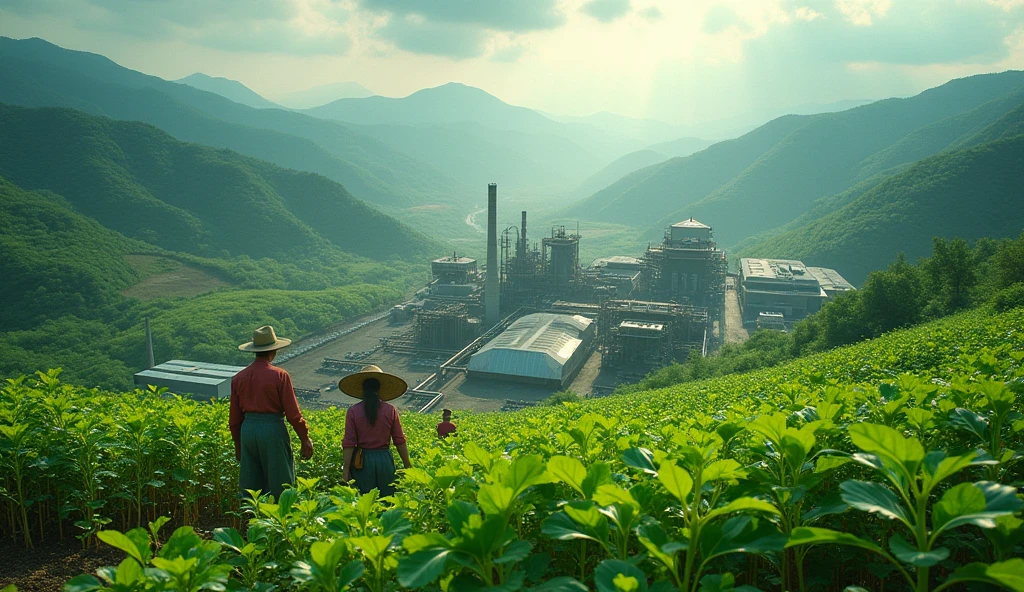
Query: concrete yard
point(460, 392)
point(734, 331)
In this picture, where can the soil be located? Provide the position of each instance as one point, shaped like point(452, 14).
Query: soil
point(47, 567)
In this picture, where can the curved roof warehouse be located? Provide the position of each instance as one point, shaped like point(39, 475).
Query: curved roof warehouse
point(539, 348)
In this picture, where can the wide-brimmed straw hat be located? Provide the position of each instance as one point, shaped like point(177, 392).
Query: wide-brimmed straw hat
point(391, 386)
point(264, 339)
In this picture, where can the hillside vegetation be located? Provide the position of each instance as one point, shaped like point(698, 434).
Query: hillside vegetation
point(749, 479)
point(774, 174)
point(137, 180)
point(968, 193)
point(118, 207)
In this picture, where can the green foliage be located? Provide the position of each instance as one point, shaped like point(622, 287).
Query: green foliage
point(888, 450)
point(560, 397)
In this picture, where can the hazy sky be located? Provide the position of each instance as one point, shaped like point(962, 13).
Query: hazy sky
point(677, 60)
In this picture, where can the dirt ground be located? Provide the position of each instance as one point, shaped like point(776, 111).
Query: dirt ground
point(47, 567)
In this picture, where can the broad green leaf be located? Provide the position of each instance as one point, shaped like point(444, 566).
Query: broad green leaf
point(723, 470)
point(120, 541)
point(475, 454)
point(1007, 534)
point(1007, 574)
point(561, 527)
point(422, 567)
point(514, 551)
point(495, 498)
point(613, 573)
point(128, 572)
point(676, 481)
point(230, 538)
point(806, 535)
point(906, 553)
point(352, 571)
point(772, 427)
point(718, 583)
point(869, 496)
point(458, 514)
point(888, 444)
point(598, 474)
point(940, 467)
point(744, 504)
point(418, 542)
point(526, 471)
point(607, 495)
point(82, 583)
point(974, 503)
point(640, 458)
point(568, 470)
point(740, 534)
point(417, 475)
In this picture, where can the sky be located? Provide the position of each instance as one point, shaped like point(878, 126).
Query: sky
point(682, 61)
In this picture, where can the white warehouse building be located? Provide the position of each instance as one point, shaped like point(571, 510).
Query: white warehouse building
point(539, 348)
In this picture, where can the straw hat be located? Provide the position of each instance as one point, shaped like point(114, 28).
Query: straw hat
point(391, 386)
point(264, 339)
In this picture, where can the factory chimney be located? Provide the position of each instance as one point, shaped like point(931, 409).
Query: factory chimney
point(491, 296)
point(522, 237)
point(149, 344)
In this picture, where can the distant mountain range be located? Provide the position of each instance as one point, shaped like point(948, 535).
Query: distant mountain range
point(229, 89)
point(136, 180)
point(323, 94)
point(971, 190)
point(36, 73)
point(773, 175)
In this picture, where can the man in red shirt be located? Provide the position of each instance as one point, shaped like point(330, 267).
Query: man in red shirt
point(446, 426)
point(261, 398)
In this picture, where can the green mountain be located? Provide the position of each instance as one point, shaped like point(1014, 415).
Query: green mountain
point(229, 89)
point(774, 174)
point(323, 94)
point(139, 181)
point(55, 259)
point(967, 193)
point(35, 73)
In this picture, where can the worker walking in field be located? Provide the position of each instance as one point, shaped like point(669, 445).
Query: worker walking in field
point(446, 426)
point(262, 397)
point(370, 427)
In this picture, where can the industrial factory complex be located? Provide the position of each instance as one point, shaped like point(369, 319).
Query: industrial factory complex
point(534, 320)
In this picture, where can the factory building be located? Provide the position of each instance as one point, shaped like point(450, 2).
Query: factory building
point(650, 334)
point(182, 377)
point(453, 277)
point(540, 348)
point(786, 287)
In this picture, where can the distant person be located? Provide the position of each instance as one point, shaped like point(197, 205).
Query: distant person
point(261, 398)
point(370, 427)
point(446, 426)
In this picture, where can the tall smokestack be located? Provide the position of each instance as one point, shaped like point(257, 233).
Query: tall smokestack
point(522, 236)
point(491, 297)
point(149, 344)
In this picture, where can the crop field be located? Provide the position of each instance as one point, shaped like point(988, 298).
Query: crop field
point(168, 278)
point(893, 464)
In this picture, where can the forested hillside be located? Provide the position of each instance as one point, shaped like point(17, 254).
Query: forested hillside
point(774, 174)
point(138, 180)
point(968, 193)
point(35, 73)
point(255, 244)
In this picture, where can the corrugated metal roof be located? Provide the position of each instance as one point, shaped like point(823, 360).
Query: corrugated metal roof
point(536, 345)
point(829, 279)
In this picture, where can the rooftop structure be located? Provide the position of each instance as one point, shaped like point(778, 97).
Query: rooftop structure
point(650, 334)
point(190, 378)
point(541, 348)
point(689, 230)
point(830, 280)
point(786, 287)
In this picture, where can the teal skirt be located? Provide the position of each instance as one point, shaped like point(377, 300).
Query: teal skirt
point(378, 472)
point(267, 463)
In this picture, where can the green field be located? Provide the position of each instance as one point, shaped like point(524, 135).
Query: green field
point(889, 464)
point(167, 278)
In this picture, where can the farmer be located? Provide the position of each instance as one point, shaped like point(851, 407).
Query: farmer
point(446, 426)
point(261, 398)
point(370, 427)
